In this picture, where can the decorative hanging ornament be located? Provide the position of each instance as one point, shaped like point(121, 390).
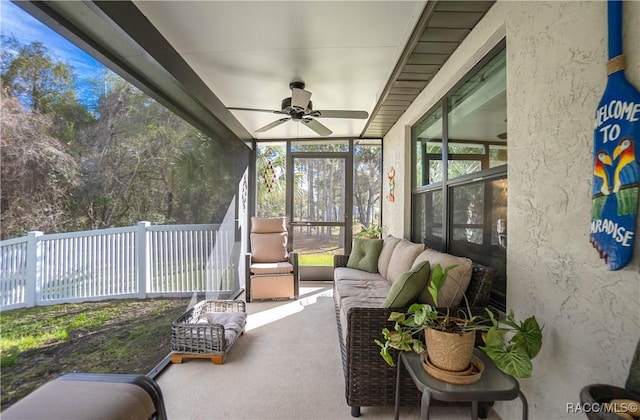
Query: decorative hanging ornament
point(616, 172)
point(269, 176)
point(392, 185)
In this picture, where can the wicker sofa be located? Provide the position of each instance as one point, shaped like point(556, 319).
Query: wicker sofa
point(359, 299)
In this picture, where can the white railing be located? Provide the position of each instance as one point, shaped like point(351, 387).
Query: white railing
point(135, 261)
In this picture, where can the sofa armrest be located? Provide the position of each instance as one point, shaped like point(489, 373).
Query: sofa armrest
point(340, 261)
point(479, 289)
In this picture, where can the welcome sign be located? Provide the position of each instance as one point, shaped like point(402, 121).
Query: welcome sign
point(616, 171)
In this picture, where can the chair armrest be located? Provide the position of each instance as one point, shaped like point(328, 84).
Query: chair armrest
point(293, 260)
point(603, 393)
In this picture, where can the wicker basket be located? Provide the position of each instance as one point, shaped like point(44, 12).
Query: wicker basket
point(192, 339)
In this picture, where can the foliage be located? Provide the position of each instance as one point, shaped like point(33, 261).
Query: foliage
point(37, 174)
point(128, 159)
point(367, 161)
point(509, 344)
point(370, 232)
point(30, 74)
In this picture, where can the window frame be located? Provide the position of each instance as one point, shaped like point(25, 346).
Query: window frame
point(498, 300)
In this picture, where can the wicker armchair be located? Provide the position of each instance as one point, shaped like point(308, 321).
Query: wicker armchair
point(369, 381)
point(599, 394)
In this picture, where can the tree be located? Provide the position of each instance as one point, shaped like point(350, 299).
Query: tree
point(366, 191)
point(208, 175)
point(37, 173)
point(126, 157)
point(43, 85)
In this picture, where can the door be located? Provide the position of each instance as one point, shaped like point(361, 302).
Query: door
point(319, 203)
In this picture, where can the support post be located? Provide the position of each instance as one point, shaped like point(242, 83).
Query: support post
point(142, 259)
point(34, 263)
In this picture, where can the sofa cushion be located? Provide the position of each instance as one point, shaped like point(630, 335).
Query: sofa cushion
point(407, 287)
point(346, 273)
point(364, 254)
point(388, 246)
point(272, 268)
point(350, 282)
point(269, 247)
point(457, 282)
point(402, 258)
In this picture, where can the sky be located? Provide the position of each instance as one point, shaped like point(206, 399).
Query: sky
point(26, 29)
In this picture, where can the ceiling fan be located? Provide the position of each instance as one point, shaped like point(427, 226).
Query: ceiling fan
point(298, 107)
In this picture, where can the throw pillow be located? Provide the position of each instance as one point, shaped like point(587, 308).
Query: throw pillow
point(388, 246)
point(452, 292)
point(408, 286)
point(364, 254)
point(402, 259)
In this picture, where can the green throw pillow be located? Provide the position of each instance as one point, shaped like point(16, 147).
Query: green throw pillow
point(364, 254)
point(408, 286)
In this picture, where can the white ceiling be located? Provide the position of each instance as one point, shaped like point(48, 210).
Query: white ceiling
point(247, 53)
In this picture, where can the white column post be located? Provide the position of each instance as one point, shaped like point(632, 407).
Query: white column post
point(34, 264)
point(142, 259)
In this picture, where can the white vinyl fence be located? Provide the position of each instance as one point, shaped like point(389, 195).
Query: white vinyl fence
point(137, 261)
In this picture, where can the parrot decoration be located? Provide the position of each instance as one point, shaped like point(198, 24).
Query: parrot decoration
point(616, 168)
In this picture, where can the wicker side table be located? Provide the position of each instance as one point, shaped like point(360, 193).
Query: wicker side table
point(208, 330)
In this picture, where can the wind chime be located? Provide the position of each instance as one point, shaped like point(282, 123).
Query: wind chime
point(269, 175)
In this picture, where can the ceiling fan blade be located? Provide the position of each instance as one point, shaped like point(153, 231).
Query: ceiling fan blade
point(300, 98)
point(360, 115)
point(272, 125)
point(316, 126)
point(271, 111)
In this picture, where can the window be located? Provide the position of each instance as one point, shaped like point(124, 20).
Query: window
point(459, 199)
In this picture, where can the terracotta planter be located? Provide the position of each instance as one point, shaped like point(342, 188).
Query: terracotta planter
point(450, 351)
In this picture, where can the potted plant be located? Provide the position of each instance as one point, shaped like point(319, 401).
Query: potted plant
point(509, 344)
point(370, 232)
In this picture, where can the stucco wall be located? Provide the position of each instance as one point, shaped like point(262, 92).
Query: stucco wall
point(556, 55)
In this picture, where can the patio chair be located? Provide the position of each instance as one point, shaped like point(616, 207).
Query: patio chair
point(92, 396)
point(271, 271)
point(603, 393)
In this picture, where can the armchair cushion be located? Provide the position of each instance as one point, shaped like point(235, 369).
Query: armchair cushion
point(268, 224)
point(269, 247)
point(364, 254)
point(272, 268)
point(405, 290)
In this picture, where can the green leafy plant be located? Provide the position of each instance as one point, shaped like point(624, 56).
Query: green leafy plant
point(509, 344)
point(370, 232)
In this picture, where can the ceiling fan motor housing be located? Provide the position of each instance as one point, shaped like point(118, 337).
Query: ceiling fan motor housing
point(296, 113)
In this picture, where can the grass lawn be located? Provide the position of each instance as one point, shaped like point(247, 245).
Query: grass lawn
point(315, 259)
point(116, 336)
